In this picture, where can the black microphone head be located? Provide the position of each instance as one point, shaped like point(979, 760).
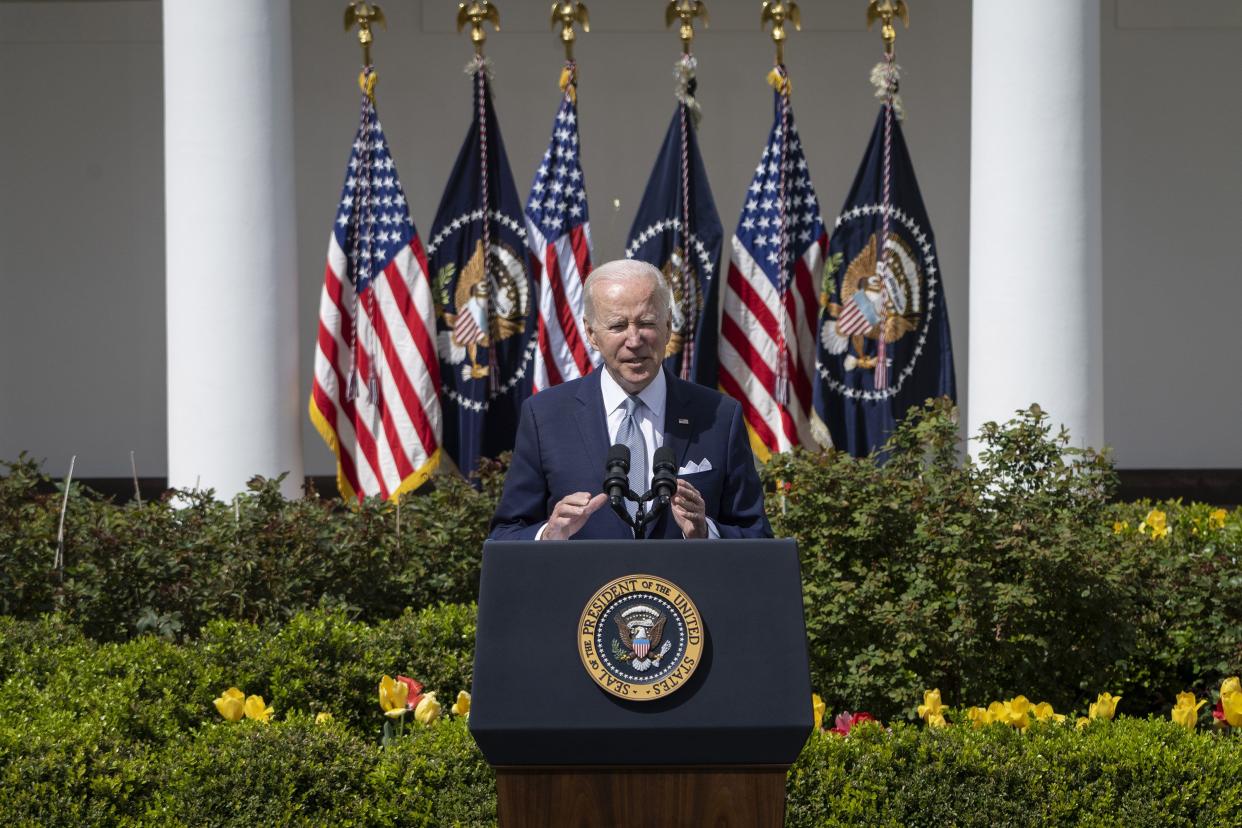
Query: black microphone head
point(619, 455)
point(664, 473)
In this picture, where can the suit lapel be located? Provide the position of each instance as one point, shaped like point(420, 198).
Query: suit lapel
point(677, 419)
point(592, 422)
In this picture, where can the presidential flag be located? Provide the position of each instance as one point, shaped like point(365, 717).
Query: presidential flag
point(678, 230)
point(374, 398)
point(486, 328)
point(767, 331)
point(883, 334)
point(558, 233)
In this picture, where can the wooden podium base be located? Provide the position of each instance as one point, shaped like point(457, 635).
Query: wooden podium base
point(641, 796)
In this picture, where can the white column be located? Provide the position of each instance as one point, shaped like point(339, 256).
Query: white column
point(1035, 283)
point(233, 406)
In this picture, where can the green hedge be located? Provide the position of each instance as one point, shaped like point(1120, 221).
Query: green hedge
point(172, 566)
point(1129, 772)
point(126, 733)
point(986, 579)
point(1012, 574)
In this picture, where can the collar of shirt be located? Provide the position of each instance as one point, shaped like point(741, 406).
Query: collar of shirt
point(653, 397)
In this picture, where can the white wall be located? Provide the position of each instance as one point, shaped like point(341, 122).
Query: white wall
point(81, 307)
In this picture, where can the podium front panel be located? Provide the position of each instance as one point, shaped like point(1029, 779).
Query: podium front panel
point(748, 702)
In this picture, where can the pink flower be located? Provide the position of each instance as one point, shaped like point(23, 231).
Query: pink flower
point(415, 694)
point(847, 721)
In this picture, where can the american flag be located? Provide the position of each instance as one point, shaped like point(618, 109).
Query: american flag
point(375, 397)
point(558, 234)
point(770, 304)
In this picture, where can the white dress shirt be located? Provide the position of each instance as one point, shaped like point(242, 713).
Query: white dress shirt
point(650, 415)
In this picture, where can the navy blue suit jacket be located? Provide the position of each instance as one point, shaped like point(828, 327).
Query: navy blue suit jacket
point(562, 443)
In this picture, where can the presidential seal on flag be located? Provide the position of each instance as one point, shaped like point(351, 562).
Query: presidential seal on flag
point(489, 305)
point(879, 297)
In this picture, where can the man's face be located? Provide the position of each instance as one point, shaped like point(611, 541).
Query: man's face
point(629, 330)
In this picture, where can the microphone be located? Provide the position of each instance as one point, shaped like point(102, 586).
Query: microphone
point(664, 475)
point(617, 475)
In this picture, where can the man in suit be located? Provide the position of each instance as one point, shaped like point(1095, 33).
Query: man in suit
point(553, 487)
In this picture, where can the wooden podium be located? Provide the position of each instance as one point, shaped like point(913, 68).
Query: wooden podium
point(712, 752)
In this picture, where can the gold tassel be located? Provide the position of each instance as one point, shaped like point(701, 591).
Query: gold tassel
point(779, 81)
point(367, 83)
point(568, 86)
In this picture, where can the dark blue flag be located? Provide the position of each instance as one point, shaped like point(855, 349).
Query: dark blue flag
point(687, 250)
point(485, 328)
point(884, 343)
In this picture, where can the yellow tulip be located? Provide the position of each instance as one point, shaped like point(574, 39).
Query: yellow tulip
point(257, 709)
point(978, 716)
point(1156, 523)
point(1120, 526)
point(1017, 712)
point(1231, 685)
point(1044, 713)
point(428, 709)
point(461, 707)
point(1186, 711)
point(1216, 520)
point(936, 720)
point(818, 708)
point(392, 696)
point(323, 717)
point(1104, 706)
point(931, 705)
point(996, 713)
point(1083, 721)
point(231, 704)
point(1231, 704)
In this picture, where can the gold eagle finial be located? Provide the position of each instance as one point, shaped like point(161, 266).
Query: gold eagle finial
point(362, 14)
point(474, 13)
point(687, 11)
point(777, 12)
point(567, 13)
point(885, 11)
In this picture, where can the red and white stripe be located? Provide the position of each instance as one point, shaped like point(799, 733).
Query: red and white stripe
point(559, 269)
point(391, 444)
point(852, 321)
point(750, 330)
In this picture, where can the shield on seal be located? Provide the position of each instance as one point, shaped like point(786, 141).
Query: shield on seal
point(642, 644)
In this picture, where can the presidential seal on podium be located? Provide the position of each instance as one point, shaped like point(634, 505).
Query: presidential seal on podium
point(640, 637)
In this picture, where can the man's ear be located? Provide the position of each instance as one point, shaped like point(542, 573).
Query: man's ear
point(590, 331)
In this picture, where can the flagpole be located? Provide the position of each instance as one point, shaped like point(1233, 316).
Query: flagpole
point(361, 14)
point(777, 12)
point(475, 13)
point(567, 13)
point(686, 11)
point(886, 77)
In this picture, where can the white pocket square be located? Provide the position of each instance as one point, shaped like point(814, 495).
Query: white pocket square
point(694, 468)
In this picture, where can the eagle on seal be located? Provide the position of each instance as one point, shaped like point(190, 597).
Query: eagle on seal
point(643, 636)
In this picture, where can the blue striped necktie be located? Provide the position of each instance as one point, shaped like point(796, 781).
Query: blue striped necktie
point(630, 436)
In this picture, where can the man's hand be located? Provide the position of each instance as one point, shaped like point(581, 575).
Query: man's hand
point(689, 510)
point(570, 514)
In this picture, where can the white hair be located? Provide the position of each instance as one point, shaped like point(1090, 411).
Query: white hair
point(622, 270)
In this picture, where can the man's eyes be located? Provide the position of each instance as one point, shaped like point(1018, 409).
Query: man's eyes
point(644, 324)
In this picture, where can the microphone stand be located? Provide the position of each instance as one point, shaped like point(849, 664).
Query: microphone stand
point(643, 515)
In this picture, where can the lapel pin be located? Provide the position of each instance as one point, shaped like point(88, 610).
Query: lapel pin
point(682, 421)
